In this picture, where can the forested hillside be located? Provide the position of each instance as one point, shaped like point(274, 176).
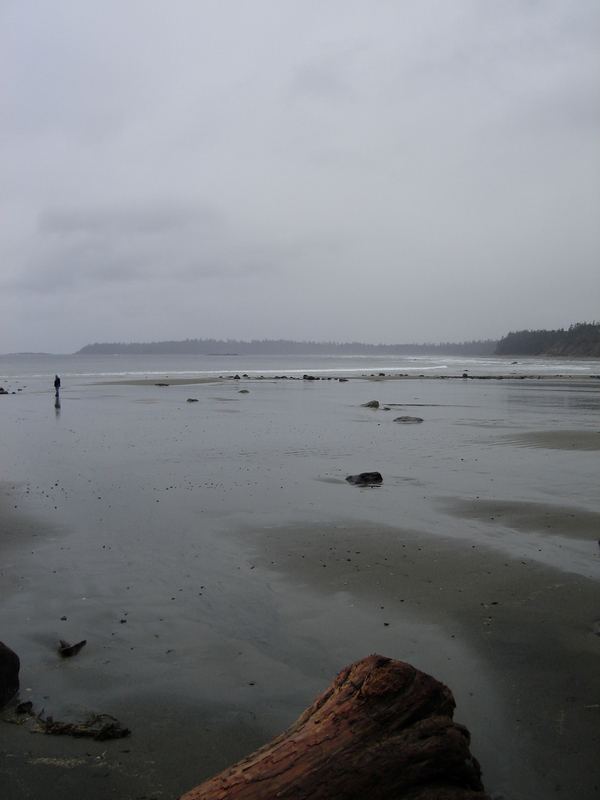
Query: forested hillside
point(285, 347)
point(580, 339)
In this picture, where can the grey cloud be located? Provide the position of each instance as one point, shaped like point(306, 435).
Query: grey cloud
point(327, 77)
point(374, 163)
point(120, 221)
point(118, 246)
point(71, 265)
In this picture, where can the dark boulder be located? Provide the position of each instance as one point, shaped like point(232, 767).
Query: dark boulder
point(371, 404)
point(365, 479)
point(9, 674)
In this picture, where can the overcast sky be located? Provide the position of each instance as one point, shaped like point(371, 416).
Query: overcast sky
point(394, 171)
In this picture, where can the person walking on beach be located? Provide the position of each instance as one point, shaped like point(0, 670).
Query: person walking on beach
point(56, 385)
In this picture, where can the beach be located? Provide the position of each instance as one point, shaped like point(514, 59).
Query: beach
point(222, 570)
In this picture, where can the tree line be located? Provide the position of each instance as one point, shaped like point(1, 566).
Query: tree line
point(285, 347)
point(579, 339)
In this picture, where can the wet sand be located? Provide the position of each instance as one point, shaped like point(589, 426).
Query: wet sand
point(535, 630)
point(557, 440)
point(529, 517)
point(163, 382)
point(204, 556)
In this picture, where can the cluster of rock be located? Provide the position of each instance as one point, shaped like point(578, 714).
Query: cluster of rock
point(305, 377)
point(375, 478)
point(405, 420)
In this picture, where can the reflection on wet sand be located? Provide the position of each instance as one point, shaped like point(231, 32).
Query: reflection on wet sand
point(528, 517)
point(555, 440)
point(531, 622)
point(222, 569)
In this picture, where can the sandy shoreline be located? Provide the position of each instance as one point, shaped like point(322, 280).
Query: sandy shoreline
point(443, 605)
point(165, 379)
point(533, 628)
point(550, 519)
point(222, 571)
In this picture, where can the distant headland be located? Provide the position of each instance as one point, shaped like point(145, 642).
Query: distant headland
point(580, 339)
point(271, 347)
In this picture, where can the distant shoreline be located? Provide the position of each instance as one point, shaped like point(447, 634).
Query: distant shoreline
point(164, 381)
point(287, 347)
point(581, 338)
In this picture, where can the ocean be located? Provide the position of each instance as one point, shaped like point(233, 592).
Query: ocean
point(40, 368)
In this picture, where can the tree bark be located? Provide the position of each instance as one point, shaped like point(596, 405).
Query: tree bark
point(382, 729)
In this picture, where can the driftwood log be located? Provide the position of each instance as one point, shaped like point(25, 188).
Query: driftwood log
point(382, 730)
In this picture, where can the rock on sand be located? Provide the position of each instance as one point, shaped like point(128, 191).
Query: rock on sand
point(365, 479)
point(9, 674)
